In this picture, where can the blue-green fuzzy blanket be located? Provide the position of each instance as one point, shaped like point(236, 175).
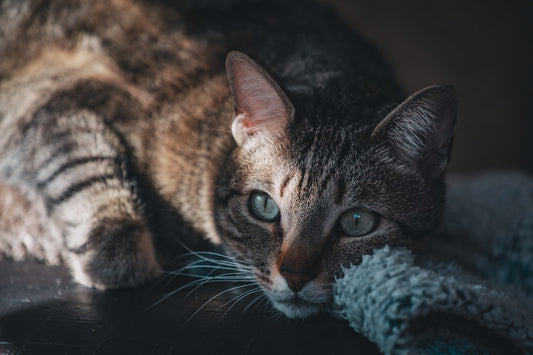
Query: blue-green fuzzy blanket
point(467, 290)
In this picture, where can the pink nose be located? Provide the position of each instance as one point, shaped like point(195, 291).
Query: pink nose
point(295, 280)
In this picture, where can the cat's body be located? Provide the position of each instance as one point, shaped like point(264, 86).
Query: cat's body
point(116, 132)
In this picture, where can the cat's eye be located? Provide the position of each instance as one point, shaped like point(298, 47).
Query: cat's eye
point(357, 222)
point(263, 207)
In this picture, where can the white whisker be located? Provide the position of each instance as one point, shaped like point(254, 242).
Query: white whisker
point(203, 282)
point(237, 299)
point(193, 267)
point(213, 298)
point(187, 285)
point(211, 267)
point(257, 301)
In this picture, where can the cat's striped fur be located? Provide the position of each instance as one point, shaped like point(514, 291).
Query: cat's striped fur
point(113, 111)
point(59, 94)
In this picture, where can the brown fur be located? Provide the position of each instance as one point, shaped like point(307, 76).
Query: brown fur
point(129, 72)
point(117, 132)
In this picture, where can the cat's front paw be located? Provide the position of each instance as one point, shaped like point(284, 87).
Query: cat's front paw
point(119, 253)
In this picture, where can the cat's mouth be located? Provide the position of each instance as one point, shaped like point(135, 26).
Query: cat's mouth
point(297, 307)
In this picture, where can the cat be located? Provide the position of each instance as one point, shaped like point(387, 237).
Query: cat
point(269, 129)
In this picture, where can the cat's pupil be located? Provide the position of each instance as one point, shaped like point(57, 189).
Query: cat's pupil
point(263, 207)
point(357, 222)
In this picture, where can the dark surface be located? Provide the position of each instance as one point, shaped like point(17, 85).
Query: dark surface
point(43, 312)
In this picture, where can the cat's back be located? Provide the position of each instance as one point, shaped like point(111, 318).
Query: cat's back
point(165, 48)
point(140, 48)
point(131, 63)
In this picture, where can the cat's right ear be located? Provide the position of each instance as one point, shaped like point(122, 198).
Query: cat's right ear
point(261, 107)
point(421, 129)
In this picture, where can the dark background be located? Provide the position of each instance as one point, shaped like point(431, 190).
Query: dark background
point(483, 48)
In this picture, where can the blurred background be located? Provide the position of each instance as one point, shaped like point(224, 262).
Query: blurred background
point(483, 48)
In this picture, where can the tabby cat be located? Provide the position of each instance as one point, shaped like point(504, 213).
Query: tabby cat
point(127, 125)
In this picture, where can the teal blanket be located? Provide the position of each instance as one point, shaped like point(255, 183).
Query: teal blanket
point(468, 289)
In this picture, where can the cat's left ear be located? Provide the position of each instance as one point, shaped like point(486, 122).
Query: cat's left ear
point(421, 129)
point(261, 107)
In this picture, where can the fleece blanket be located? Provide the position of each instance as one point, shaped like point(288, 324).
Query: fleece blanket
point(468, 289)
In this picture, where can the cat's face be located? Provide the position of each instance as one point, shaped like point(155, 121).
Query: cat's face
point(296, 202)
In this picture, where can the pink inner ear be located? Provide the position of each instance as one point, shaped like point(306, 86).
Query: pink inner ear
point(248, 124)
point(260, 104)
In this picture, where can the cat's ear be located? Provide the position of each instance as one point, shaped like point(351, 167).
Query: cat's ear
point(261, 107)
point(421, 129)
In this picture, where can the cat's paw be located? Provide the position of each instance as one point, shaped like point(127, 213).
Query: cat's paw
point(119, 253)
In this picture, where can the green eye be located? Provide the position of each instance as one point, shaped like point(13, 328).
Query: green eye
point(357, 222)
point(263, 207)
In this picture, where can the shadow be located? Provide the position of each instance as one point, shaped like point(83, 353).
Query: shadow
point(84, 321)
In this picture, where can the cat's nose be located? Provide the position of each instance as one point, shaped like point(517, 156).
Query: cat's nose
point(296, 280)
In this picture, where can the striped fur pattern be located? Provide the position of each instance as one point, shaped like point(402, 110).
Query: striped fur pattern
point(117, 136)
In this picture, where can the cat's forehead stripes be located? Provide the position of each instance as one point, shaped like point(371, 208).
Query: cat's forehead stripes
point(325, 166)
point(284, 184)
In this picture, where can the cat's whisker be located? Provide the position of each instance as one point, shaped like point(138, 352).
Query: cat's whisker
point(232, 279)
point(257, 300)
point(165, 279)
point(210, 261)
point(196, 284)
point(217, 262)
point(172, 293)
point(211, 257)
point(213, 253)
point(213, 298)
point(187, 271)
point(230, 274)
point(199, 265)
point(202, 280)
point(205, 281)
point(263, 301)
point(170, 276)
point(217, 258)
point(221, 277)
point(233, 302)
point(234, 273)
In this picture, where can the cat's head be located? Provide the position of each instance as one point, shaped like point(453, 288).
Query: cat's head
point(298, 198)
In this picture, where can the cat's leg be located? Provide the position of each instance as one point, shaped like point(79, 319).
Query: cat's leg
point(76, 164)
point(25, 232)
